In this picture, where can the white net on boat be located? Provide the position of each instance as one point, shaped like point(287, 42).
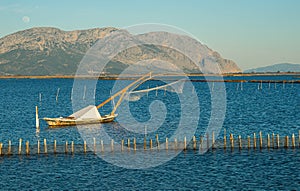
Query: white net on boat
point(176, 87)
point(89, 112)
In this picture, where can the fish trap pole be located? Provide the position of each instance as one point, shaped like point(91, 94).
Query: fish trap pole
point(37, 122)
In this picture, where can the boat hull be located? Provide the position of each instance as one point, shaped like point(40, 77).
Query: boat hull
point(57, 122)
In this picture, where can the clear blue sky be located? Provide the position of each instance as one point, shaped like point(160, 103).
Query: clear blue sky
point(251, 32)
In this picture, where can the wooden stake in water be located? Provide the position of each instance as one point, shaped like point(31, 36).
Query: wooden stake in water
point(194, 143)
point(240, 142)
point(273, 140)
point(84, 92)
point(231, 141)
point(225, 139)
point(27, 148)
point(37, 122)
point(40, 97)
point(260, 140)
point(112, 145)
point(268, 141)
point(254, 141)
point(72, 147)
point(175, 143)
point(207, 141)
point(57, 93)
point(84, 147)
point(122, 145)
point(1, 146)
point(20, 146)
point(94, 145)
point(94, 93)
point(38, 147)
point(184, 143)
point(201, 142)
point(71, 96)
point(45, 146)
point(293, 141)
point(66, 147)
point(102, 146)
point(145, 143)
point(249, 142)
point(134, 144)
point(286, 142)
point(167, 146)
point(9, 147)
point(150, 143)
point(128, 144)
point(278, 142)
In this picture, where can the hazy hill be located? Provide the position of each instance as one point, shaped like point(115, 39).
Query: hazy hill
point(283, 67)
point(51, 51)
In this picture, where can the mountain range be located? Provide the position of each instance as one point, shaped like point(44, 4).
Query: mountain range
point(282, 67)
point(51, 51)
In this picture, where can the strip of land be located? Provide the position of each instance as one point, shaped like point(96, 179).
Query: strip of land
point(134, 76)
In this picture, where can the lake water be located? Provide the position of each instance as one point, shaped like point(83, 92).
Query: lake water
point(273, 108)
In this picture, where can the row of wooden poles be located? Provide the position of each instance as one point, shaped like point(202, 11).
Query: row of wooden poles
point(273, 141)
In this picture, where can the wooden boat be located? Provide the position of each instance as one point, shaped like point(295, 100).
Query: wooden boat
point(70, 121)
point(90, 114)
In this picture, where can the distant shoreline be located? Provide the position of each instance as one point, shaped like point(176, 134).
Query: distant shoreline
point(133, 76)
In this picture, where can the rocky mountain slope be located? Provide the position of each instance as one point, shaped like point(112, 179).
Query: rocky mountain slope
point(51, 51)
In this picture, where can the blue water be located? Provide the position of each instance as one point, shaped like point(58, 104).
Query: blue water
point(270, 110)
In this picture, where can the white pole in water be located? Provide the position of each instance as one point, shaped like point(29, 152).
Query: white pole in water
point(212, 86)
point(95, 93)
point(84, 90)
point(269, 84)
point(71, 94)
point(57, 93)
point(241, 85)
point(261, 84)
point(282, 84)
point(40, 97)
point(37, 123)
point(237, 87)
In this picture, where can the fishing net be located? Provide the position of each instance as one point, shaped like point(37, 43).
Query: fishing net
point(176, 87)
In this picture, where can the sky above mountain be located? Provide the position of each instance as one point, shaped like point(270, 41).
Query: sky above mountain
point(252, 33)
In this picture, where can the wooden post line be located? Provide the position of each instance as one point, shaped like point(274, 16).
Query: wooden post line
point(272, 141)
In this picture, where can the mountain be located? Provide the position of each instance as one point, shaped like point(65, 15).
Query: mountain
point(282, 67)
point(51, 51)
